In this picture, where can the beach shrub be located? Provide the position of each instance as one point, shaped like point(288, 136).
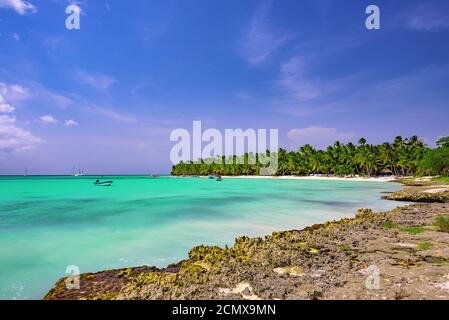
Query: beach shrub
point(425, 245)
point(389, 225)
point(441, 179)
point(442, 223)
point(413, 230)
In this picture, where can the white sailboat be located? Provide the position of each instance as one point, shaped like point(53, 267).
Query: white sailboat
point(78, 174)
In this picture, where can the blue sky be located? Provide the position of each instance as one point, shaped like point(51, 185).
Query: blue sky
point(106, 97)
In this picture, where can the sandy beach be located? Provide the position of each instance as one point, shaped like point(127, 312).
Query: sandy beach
point(372, 179)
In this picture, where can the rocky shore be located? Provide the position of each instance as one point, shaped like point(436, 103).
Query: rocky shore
point(400, 254)
point(421, 190)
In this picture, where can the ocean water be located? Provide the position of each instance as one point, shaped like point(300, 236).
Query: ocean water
point(49, 223)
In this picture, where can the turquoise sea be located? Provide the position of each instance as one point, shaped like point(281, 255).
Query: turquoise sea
point(49, 223)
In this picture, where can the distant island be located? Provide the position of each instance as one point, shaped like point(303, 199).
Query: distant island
point(402, 157)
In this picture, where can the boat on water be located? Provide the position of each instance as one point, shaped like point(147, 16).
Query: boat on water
point(103, 183)
point(80, 173)
point(218, 178)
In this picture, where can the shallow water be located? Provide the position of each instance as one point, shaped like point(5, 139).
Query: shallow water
point(49, 223)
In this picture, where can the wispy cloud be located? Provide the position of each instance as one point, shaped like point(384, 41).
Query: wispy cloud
point(109, 113)
point(34, 92)
point(304, 94)
point(20, 6)
point(136, 90)
point(100, 82)
point(38, 92)
point(361, 94)
point(318, 136)
point(70, 123)
point(259, 43)
point(15, 36)
point(294, 81)
point(428, 16)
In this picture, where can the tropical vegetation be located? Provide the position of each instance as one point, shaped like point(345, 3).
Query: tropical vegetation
point(402, 157)
point(442, 223)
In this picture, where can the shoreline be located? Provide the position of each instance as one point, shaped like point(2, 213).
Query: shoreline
point(329, 178)
point(323, 261)
point(323, 178)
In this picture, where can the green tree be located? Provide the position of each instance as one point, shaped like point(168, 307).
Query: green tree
point(443, 142)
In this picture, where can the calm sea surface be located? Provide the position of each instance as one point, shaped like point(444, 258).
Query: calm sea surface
point(49, 223)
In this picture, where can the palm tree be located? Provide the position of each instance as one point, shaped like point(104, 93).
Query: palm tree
point(401, 157)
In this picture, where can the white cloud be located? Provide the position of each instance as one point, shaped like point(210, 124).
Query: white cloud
point(47, 119)
point(36, 92)
point(11, 93)
point(5, 107)
point(318, 136)
point(14, 93)
point(20, 6)
point(14, 139)
point(70, 122)
point(259, 42)
point(98, 81)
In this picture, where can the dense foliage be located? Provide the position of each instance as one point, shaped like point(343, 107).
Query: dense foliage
point(435, 162)
point(402, 157)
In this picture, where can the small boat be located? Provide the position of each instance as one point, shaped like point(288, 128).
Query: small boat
point(211, 177)
point(103, 183)
point(218, 178)
point(80, 173)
